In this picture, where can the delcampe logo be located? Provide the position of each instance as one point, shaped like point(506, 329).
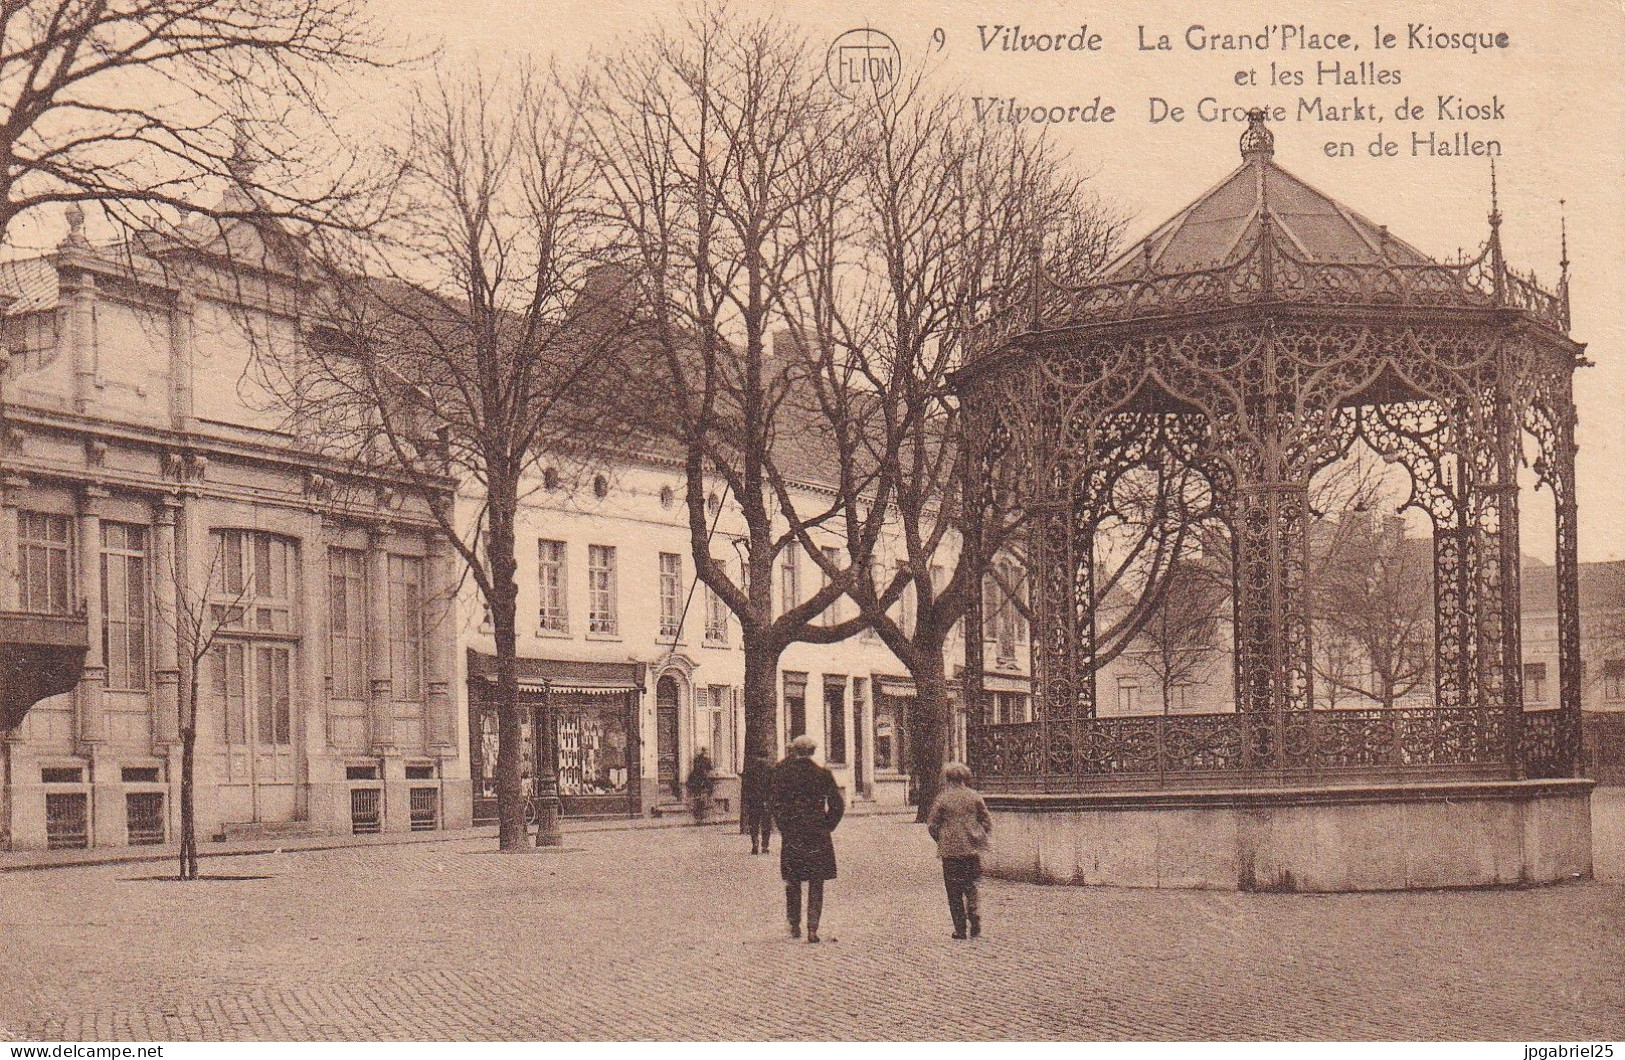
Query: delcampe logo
point(863, 60)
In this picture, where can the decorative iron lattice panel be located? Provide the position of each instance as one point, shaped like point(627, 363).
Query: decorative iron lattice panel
point(1251, 749)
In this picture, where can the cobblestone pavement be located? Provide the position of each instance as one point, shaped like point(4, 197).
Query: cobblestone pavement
point(678, 934)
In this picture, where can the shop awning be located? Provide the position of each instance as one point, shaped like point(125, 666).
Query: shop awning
point(1006, 683)
point(574, 676)
point(577, 688)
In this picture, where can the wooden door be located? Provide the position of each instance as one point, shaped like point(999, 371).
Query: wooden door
point(667, 772)
point(251, 685)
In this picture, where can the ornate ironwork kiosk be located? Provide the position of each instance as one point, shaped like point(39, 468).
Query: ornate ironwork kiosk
point(1254, 338)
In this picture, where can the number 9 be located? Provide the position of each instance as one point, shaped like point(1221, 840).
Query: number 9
point(939, 38)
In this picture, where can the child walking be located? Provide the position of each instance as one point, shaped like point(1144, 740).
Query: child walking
point(960, 824)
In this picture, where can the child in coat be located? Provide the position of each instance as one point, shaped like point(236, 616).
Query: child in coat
point(960, 824)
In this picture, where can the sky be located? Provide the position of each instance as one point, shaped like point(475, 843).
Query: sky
point(1553, 90)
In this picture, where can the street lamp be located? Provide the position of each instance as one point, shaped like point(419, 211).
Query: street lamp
point(548, 831)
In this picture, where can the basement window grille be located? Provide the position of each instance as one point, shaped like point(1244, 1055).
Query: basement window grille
point(144, 811)
point(67, 821)
point(425, 809)
point(365, 818)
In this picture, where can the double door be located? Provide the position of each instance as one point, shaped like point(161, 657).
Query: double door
point(251, 686)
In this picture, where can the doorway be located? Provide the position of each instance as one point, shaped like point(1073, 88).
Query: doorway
point(250, 681)
point(666, 771)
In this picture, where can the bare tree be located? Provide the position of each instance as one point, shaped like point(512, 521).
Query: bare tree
point(1177, 642)
point(135, 105)
point(198, 618)
point(718, 138)
point(937, 232)
point(470, 337)
point(1373, 592)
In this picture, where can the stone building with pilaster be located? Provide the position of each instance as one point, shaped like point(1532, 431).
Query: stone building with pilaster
point(147, 478)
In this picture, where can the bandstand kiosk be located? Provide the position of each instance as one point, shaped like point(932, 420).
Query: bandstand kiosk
point(1254, 338)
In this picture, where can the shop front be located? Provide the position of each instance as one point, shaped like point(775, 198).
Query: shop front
point(594, 710)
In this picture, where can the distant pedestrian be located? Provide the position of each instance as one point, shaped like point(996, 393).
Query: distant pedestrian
point(960, 824)
point(755, 784)
point(699, 784)
point(808, 806)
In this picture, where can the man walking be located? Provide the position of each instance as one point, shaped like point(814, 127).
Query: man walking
point(754, 794)
point(808, 806)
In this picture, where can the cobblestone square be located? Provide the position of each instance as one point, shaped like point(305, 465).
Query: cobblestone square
point(677, 933)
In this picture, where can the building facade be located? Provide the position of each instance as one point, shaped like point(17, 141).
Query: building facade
point(1602, 658)
point(150, 488)
point(642, 664)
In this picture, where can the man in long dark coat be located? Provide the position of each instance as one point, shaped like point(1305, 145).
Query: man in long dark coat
point(807, 805)
point(755, 781)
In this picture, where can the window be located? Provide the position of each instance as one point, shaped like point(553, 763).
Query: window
point(553, 613)
point(1009, 708)
point(717, 717)
point(1534, 682)
point(835, 719)
point(601, 589)
point(124, 605)
point(31, 340)
point(44, 584)
point(890, 742)
point(406, 627)
point(253, 677)
point(1128, 695)
point(252, 581)
point(272, 704)
point(789, 580)
point(347, 622)
point(1001, 617)
point(716, 616)
point(1613, 679)
point(795, 703)
point(834, 613)
point(671, 590)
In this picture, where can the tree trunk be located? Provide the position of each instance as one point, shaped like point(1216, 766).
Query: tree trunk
point(928, 736)
point(761, 700)
point(512, 830)
point(188, 727)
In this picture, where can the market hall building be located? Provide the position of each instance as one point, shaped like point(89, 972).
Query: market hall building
point(147, 478)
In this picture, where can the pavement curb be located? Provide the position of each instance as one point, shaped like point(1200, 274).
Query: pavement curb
point(41, 861)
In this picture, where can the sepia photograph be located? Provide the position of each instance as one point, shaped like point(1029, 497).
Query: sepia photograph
point(735, 521)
